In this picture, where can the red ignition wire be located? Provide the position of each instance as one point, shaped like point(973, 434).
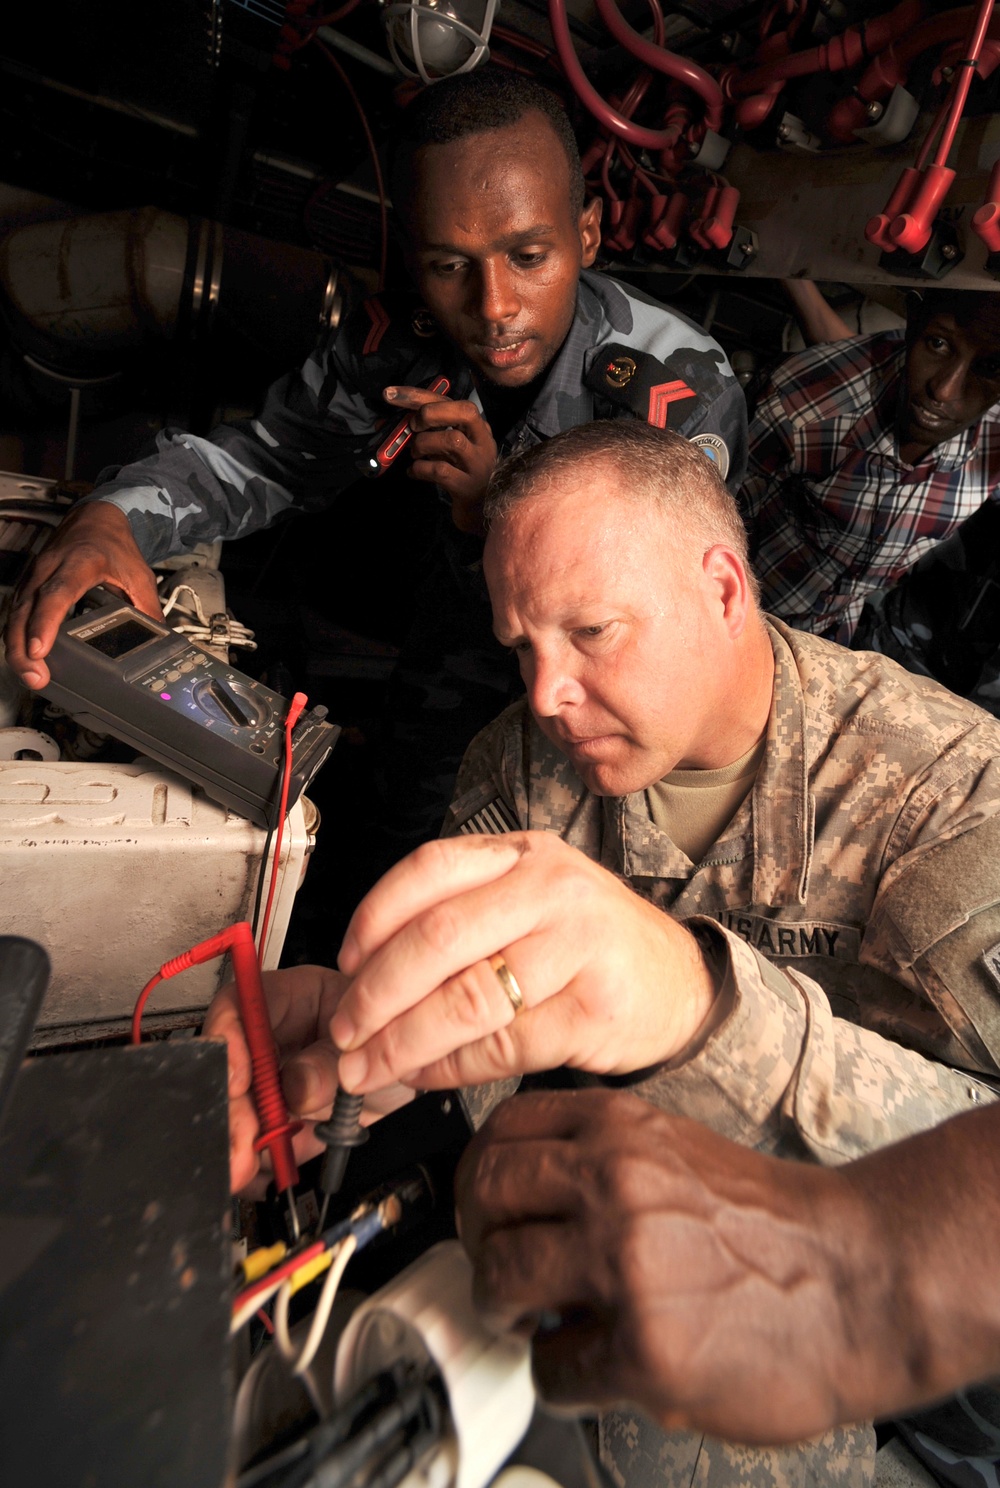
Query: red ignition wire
point(606, 116)
point(661, 60)
point(855, 45)
point(963, 81)
point(295, 708)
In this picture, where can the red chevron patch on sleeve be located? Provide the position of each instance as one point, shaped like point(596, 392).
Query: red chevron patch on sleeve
point(380, 324)
point(660, 398)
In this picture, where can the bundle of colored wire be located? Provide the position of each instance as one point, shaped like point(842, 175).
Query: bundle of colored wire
point(295, 708)
point(299, 1362)
point(246, 1302)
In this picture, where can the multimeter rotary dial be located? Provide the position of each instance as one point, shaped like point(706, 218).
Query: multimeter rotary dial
point(230, 702)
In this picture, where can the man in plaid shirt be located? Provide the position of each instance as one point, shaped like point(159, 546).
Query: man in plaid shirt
point(867, 453)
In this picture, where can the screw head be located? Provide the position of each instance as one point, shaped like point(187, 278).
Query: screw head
point(874, 110)
point(949, 251)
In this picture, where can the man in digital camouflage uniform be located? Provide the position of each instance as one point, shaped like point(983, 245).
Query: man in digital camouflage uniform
point(744, 872)
point(499, 241)
point(843, 882)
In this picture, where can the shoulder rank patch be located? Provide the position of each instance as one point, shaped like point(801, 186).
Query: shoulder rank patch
point(379, 325)
point(991, 960)
point(714, 446)
point(493, 820)
point(633, 379)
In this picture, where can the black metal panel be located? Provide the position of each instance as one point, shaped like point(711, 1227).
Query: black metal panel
point(24, 975)
point(115, 1270)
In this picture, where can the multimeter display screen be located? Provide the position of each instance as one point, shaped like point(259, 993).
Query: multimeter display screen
point(119, 640)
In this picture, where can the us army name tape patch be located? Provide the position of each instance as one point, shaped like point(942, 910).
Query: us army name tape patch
point(714, 447)
point(796, 938)
point(491, 821)
point(991, 960)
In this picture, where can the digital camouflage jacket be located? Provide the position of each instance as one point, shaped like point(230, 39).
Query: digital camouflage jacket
point(853, 906)
point(854, 901)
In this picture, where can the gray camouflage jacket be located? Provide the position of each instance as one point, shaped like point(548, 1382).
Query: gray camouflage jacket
point(853, 901)
point(319, 424)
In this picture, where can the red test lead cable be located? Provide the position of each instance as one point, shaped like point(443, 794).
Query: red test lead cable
point(276, 1129)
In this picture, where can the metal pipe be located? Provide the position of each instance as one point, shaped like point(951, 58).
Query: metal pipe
point(358, 52)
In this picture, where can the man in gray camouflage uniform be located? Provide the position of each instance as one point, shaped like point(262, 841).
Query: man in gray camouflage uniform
point(499, 241)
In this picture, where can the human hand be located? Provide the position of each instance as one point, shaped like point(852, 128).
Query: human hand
point(92, 545)
point(701, 1281)
point(300, 1002)
point(452, 446)
point(610, 984)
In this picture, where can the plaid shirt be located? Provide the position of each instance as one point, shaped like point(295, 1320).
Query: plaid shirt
point(833, 511)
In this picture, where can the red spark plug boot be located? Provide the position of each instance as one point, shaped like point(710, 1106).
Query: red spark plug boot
point(717, 229)
point(877, 231)
point(911, 231)
point(625, 219)
point(696, 227)
point(668, 228)
point(986, 221)
point(657, 207)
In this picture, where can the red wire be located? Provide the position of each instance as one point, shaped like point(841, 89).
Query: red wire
point(140, 1006)
point(661, 59)
point(939, 118)
point(606, 116)
point(294, 713)
point(268, 1325)
point(962, 83)
point(380, 184)
point(278, 1274)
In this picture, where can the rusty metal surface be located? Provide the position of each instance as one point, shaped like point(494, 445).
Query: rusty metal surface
point(809, 210)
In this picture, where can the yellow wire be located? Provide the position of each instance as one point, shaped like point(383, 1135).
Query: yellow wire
point(259, 1262)
point(309, 1272)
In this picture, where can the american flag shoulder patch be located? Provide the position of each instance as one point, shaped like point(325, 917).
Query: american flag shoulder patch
point(491, 820)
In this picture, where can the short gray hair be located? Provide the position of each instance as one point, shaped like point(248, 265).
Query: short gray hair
point(656, 464)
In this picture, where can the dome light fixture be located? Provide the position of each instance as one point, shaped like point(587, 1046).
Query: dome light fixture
point(435, 39)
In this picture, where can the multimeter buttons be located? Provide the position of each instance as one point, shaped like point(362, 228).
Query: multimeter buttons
point(231, 703)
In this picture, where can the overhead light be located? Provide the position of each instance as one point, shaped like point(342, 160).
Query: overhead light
point(434, 39)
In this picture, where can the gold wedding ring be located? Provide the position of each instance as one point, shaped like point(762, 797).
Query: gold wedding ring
point(508, 982)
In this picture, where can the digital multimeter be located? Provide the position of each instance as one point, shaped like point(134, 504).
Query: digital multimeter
point(122, 673)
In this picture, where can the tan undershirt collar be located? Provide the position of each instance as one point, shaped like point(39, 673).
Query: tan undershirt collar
point(693, 806)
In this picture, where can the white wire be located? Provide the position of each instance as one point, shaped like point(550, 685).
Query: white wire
point(299, 1362)
point(249, 1309)
point(237, 634)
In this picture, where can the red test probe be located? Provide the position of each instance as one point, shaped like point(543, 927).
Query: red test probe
point(276, 1129)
